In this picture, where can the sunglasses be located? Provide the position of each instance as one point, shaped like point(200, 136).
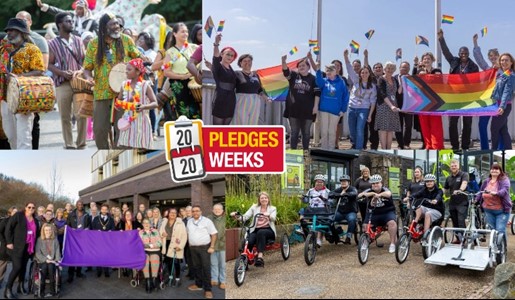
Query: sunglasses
point(31, 207)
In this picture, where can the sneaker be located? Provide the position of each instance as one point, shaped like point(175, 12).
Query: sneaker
point(222, 286)
point(392, 248)
point(194, 287)
point(319, 243)
point(178, 282)
point(347, 241)
point(208, 295)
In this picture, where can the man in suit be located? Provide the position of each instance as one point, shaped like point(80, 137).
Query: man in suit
point(103, 222)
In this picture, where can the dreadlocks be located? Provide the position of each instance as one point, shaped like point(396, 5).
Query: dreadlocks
point(102, 44)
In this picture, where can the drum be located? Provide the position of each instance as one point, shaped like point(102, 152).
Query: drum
point(81, 86)
point(196, 90)
point(85, 103)
point(117, 76)
point(31, 94)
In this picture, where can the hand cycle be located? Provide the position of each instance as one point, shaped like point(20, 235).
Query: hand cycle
point(317, 219)
point(470, 253)
point(413, 232)
point(248, 256)
point(371, 234)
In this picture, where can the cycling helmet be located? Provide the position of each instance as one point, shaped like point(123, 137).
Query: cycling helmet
point(375, 178)
point(430, 177)
point(345, 177)
point(320, 177)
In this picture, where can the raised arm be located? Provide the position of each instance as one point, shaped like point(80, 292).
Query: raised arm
point(352, 75)
point(365, 61)
point(478, 56)
point(216, 50)
point(312, 62)
point(445, 50)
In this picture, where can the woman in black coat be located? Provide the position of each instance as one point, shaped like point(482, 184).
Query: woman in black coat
point(21, 234)
point(4, 258)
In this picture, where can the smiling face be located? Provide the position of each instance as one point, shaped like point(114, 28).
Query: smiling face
point(464, 54)
point(181, 35)
point(303, 68)
point(331, 73)
point(404, 68)
point(418, 173)
point(430, 184)
point(132, 72)
point(378, 70)
point(246, 64)
point(493, 56)
point(376, 187)
point(264, 200)
point(228, 56)
point(319, 184)
point(48, 232)
point(506, 62)
point(114, 30)
point(365, 74)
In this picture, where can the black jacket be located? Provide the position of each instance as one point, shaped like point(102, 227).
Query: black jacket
point(97, 225)
point(135, 225)
point(348, 201)
point(455, 61)
point(16, 233)
point(3, 249)
point(436, 193)
point(73, 220)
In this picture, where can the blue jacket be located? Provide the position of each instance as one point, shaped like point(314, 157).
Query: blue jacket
point(335, 95)
point(504, 87)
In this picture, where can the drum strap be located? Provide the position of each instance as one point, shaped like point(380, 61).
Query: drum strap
point(182, 53)
point(11, 55)
point(70, 50)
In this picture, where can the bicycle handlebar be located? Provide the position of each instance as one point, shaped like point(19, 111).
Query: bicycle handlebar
point(254, 221)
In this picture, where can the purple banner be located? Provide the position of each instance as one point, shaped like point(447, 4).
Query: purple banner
point(92, 248)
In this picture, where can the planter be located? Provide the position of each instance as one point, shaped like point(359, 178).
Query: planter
point(232, 240)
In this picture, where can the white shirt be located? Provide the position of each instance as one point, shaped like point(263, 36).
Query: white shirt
point(200, 231)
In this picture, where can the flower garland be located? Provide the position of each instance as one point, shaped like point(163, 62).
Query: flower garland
point(130, 107)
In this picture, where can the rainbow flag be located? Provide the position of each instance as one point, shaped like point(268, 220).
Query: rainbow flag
point(313, 43)
point(316, 50)
point(354, 46)
point(273, 81)
point(370, 33)
point(421, 40)
point(446, 19)
point(484, 31)
point(221, 26)
point(209, 26)
point(507, 73)
point(294, 50)
point(450, 94)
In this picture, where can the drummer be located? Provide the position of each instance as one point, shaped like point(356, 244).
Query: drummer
point(65, 62)
point(104, 52)
point(29, 62)
point(177, 58)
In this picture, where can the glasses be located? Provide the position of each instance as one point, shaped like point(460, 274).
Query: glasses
point(31, 207)
point(196, 210)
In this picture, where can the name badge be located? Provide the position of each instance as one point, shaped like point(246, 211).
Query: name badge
point(29, 232)
point(80, 226)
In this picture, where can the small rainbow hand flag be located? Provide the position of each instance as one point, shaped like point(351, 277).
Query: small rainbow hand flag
point(421, 40)
point(507, 73)
point(316, 50)
point(221, 26)
point(354, 46)
point(446, 19)
point(209, 26)
point(484, 31)
point(313, 43)
point(293, 50)
point(370, 33)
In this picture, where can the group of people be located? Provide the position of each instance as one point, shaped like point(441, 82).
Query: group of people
point(80, 59)
point(374, 202)
point(178, 235)
point(372, 97)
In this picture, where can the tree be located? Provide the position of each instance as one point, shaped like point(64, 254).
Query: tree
point(173, 10)
point(55, 185)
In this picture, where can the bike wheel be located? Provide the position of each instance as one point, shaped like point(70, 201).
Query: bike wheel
point(402, 248)
point(310, 248)
point(363, 247)
point(500, 256)
point(134, 283)
point(240, 269)
point(449, 234)
point(435, 241)
point(513, 225)
point(285, 247)
point(425, 245)
point(400, 228)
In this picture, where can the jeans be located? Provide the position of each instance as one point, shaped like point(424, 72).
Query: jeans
point(302, 126)
point(499, 130)
point(357, 121)
point(351, 220)
point(218, 266)
point(497, 219)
